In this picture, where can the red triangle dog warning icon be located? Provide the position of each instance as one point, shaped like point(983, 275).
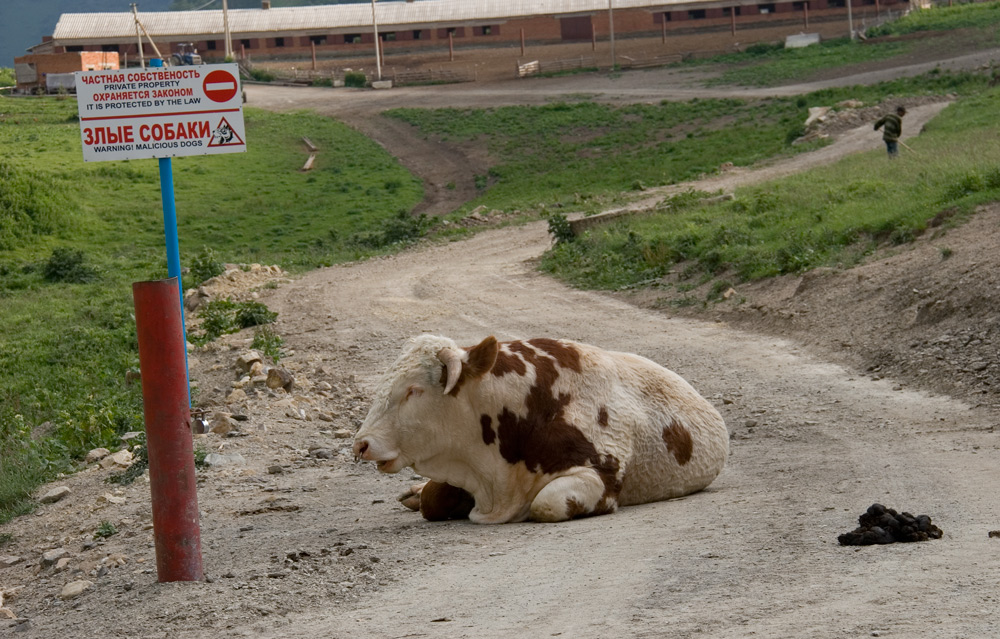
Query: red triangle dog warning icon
point(224, 135)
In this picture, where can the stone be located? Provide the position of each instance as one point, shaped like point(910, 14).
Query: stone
point(223, 424)
point(257, 370)
point(74, 589)
point(96, 455)
point(280, 378)
point(325, 417)
point(7, 561)
point(343, 433)
point(55, 494)
point(275, 469)
point(62, 563)
point(50, 557)
point(108, 498)
point(816, 114)
point(216, 460)
point(238, 396)
point(246, 360)
point(321, 453)
point(7, 613)
point(121, 459)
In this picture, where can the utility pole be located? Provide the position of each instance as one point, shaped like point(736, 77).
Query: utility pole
point(225, 27)
point(850, 20)
point(611, 29)
point(138, 36)
point(378, 53)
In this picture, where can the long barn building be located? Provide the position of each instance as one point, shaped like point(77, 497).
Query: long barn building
point(329, 30)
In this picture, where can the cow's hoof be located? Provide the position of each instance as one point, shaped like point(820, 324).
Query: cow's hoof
point(411, 498)
point(439, 502)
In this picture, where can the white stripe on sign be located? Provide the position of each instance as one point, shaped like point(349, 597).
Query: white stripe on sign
point(219, 86)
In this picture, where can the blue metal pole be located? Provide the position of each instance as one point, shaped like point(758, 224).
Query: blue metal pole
point(172, 241)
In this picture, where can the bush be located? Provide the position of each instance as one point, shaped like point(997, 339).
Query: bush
point(204, 266)
point(402, 228)
point(222, 317)
point(355, 79)
point(560, 229)
point(268, 343)
point(66, 265)
point(262, 75)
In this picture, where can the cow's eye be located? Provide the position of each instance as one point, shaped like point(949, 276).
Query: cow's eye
point(413, 391)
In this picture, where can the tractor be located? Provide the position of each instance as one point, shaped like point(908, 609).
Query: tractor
point(186, 55)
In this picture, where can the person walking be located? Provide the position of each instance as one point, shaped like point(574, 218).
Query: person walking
point(892, 127)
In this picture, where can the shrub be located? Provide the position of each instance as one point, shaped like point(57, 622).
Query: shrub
point(205, 266)
point(67, 265)
point(262, 75)
point(355, 79)
point(560, 229)
point(226, 316)
point(268, 343)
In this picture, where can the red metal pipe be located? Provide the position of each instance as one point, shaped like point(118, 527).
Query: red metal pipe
point(162, 362)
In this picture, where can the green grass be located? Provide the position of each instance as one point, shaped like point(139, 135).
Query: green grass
point(832, 216)
point(569, 155)
point(6, 77)
point(943, 18)
point(75, 235)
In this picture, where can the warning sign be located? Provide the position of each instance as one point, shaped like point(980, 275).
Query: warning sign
point(160, 112)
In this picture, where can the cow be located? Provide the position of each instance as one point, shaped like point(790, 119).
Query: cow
point(541, 429)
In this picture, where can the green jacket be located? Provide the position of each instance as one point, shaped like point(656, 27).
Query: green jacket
point(893, 127)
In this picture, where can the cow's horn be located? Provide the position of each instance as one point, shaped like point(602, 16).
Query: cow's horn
point(452, 361)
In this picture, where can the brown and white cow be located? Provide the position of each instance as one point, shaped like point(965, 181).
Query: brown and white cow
point(541, 429)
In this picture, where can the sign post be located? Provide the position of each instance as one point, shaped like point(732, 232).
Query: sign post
point(131, 114)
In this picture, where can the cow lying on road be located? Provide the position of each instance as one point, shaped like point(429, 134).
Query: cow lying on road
point(540, 429)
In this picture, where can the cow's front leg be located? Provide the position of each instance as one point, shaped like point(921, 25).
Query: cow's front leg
point(576, 494)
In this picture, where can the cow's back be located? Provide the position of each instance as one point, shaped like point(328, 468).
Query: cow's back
point(669, 440)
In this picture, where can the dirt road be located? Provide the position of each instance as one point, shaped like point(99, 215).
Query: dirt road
point(756, 554)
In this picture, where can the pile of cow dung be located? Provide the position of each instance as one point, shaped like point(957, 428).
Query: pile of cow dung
point(881, 525)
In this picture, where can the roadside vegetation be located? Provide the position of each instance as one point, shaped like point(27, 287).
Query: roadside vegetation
point(75, 235)
point(830, 216)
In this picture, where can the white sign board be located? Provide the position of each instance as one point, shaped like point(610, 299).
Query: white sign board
point(131, 114)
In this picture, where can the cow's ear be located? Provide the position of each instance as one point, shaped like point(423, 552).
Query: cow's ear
point(482, 356)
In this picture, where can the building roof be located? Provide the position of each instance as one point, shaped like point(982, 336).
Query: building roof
point(77, 28)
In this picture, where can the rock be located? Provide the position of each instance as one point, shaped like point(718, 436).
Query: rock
point(9, 560)
point(216, 460)
point(816, 114)
point(223, 424)
point(55, 494)
point(121, 459)
point(50, 557)
point(195, 298)
point(238, 396)
point(257, 370)
point(326, 417)
point(96, 455)
point(321, 453)
point(275, 469)
point(246, 360)
point(108, 498)
point(75, 588)
point(62, 563)
point(343, 433)
point(280, 378)
point(850, 104)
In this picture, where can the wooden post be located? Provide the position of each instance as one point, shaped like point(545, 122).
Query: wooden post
point(522, 43)
point(805, 13)
point(664, 25)
point(732, 19)
point(312, 45)
point(451, 46)
point(877, 9)
point(593, 38)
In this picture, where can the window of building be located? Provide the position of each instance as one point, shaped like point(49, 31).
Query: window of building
point(279, 42)
point(318, 39)
point(666, 16)
point(388, 36)
point(74, 48)
point(696, 14)
point(352, 38)
point(766, 8)
point(246, 44)
point(799, 6)
point(418, 34)
point(211, 45)
point(836, 3)
point(728, 11)
point(109, 47)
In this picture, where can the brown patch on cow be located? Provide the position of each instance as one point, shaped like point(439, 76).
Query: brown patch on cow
point(575, 509)
point(602, 416)
point(440, 502)
point(480, 360)
point(565, 355)
point(679, 442)
point(489, 435)
point(507, 362)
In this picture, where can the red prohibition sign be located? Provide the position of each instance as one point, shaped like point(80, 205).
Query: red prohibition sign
point(220, 86)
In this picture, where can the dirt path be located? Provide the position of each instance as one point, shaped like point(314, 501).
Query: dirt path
point(813, 445)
